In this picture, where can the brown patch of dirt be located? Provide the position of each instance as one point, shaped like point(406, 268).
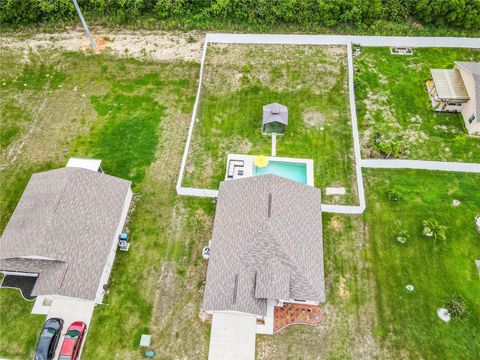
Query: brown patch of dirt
point(151, 45)
point(336, 224)
point(342, 291)
point(100, 44)
point(313, 118)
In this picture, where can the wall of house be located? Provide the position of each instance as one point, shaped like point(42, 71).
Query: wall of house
point(469, 108)
point(294, 301)
point(113, 250)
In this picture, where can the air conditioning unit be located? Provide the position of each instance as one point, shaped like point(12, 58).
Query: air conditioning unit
point(206, 252)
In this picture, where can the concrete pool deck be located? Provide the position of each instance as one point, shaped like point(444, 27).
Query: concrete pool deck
point(241, 166)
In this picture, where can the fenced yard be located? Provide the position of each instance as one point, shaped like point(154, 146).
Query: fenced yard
point(310, 80)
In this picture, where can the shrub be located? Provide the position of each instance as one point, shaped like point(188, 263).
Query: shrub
point(432, 228)
point(457, 307)
point(393, 195)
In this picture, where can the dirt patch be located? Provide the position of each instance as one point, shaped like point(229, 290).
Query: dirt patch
point(151, 45)
point(313, 118)
point(336, 224)
point(342, 291)
point(100, 44)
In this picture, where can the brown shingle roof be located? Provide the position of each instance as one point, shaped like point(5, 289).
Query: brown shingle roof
point(255, 257)
point(66, 219)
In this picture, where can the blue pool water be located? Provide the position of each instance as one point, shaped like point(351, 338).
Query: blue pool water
point(293, 171)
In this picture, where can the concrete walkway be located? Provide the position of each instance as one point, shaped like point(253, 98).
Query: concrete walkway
point(414, 41)
point(420, 164)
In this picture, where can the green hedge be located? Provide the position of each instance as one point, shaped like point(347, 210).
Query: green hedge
point(460, 14)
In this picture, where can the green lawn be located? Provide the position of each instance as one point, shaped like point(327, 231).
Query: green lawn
point(133, 115)
point(310, 80)
point(14, 340)
point(408, 321)
point(393, 105)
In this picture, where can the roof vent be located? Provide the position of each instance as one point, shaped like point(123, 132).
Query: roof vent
point(269, 210)
point(275, 110)
point(235, 287)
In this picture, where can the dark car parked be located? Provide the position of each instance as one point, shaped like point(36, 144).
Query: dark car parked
point(47, 343)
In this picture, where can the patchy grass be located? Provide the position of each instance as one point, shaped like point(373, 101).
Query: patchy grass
point(14, 120)
point(408, 322)
point(393, 104)
point(133, 115)
point(240, 79)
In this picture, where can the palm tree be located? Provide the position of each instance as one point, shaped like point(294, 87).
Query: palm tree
point(432, 228)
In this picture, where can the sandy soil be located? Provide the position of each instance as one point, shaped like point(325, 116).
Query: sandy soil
point(151, 45)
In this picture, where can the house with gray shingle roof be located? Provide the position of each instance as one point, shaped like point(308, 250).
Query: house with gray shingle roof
point(266, 245)
point(458, 90)
point(64, 231)
point(470, 72)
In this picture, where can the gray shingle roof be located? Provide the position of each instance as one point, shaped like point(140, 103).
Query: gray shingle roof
point(474, 69)
point(275, 113)
point(255, 257)
point(66, 219)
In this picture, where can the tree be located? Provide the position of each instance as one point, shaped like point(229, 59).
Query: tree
point(432, 228)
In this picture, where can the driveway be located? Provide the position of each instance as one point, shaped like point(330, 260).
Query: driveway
point(232, 336)
point(71, 310)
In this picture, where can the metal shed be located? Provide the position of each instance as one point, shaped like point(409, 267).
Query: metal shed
point(275, 118)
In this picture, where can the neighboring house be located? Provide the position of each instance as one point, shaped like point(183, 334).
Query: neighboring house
point(458, 90)
point(64, 231)
point(266, 246)
point(275, 118)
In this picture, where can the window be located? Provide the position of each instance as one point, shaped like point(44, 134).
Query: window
point(48, 333)
point(72, 334)
point(472, 118)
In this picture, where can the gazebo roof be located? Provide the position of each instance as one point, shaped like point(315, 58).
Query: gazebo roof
point(275, 112)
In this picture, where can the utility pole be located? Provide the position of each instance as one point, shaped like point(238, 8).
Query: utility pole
point(85, 26)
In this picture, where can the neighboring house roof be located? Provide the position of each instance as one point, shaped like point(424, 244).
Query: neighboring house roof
point(474, 69)
point(275, 113)
point(90, 164)
point(63, 228)
point(266, 244)
point(449, 84)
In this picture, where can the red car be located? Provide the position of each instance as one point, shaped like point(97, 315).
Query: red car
point(72, 342)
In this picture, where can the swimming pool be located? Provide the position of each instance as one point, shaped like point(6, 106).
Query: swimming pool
point(293, 171)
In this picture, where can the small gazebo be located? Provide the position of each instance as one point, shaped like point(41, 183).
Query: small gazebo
point(275, 118)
